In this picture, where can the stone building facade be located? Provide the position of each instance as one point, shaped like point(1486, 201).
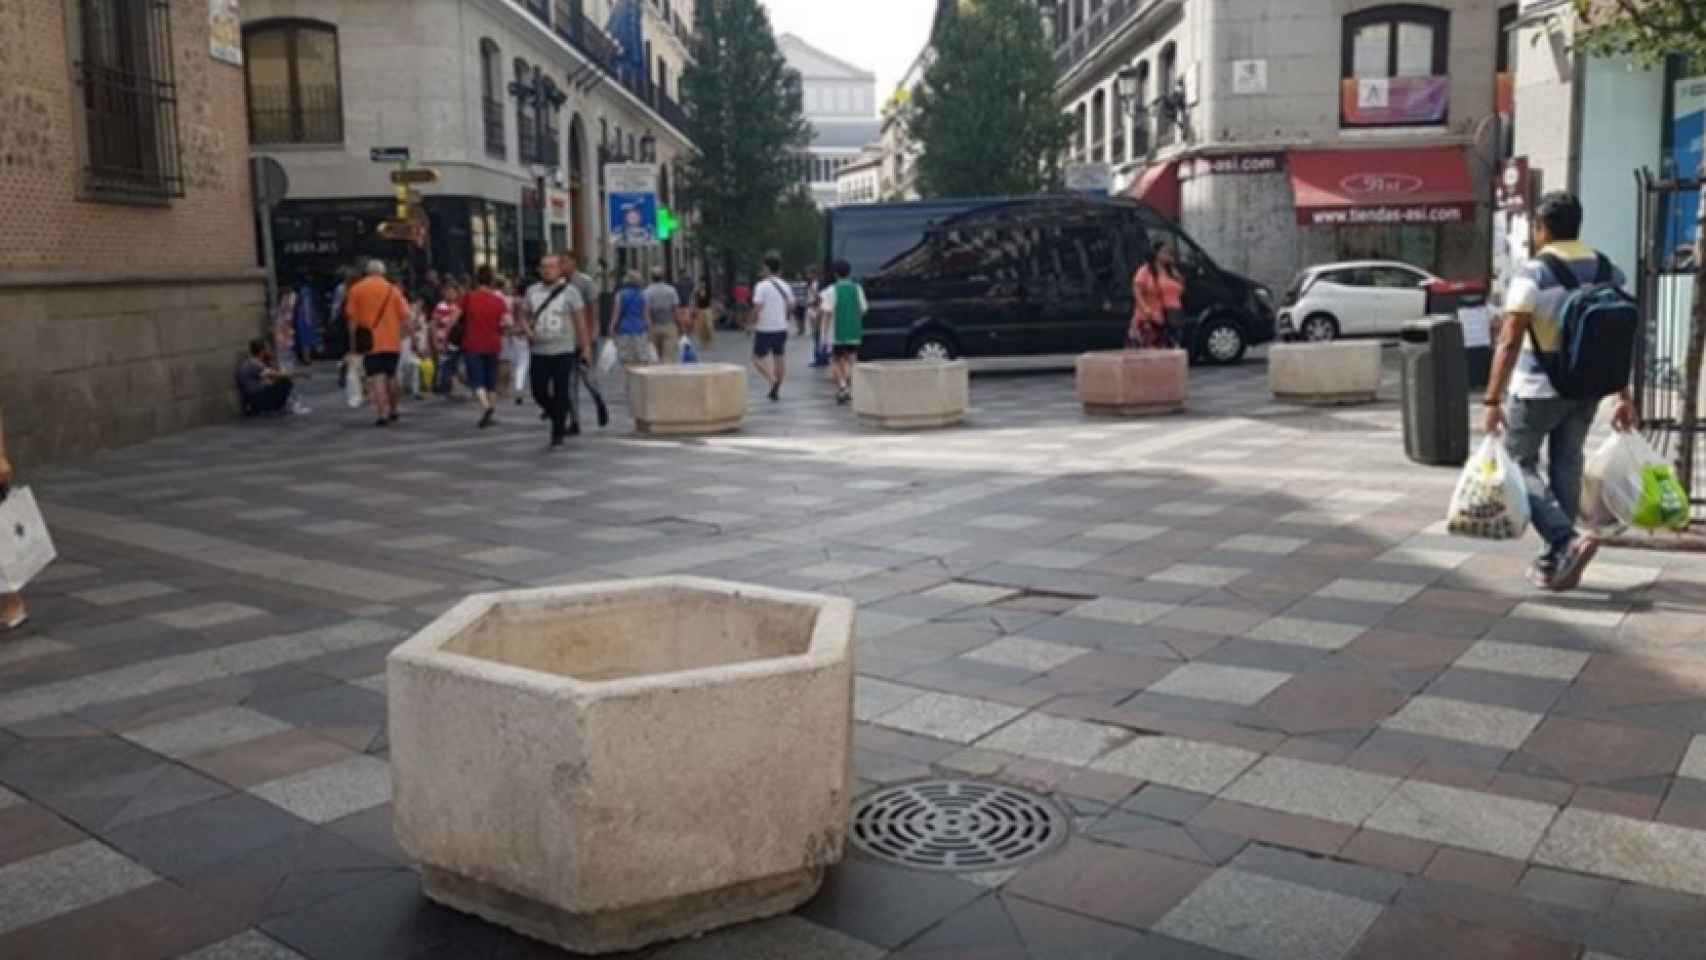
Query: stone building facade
point(518, 104)
point(1292, 132)
point(840, 102)
point(128, 278)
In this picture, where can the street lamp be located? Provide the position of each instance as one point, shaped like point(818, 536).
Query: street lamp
point(1047, 9)
point(648, 148)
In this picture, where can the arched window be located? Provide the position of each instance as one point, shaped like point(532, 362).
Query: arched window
point(295, 94)
point(1166, 79)
point(1117, 120)
point(491, 98)
point(1080, 137)
point(663, 77)
point(1395, 66)
point(1098, 125)
point(1140, 125)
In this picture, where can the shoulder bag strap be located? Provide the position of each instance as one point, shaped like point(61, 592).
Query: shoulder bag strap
point(1561, 271)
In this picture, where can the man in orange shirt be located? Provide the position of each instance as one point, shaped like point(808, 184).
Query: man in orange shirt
point(376, 311)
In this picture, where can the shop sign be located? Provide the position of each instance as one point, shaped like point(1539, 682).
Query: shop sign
point(1093, 178)
point(225, 32)
point(1238, 164)
point(633, 192)
point(1249, 77)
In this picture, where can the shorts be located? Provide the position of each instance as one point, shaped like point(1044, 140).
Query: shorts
point(482, 370)
point(769, 343)
point(381, 364)
point(633, 349)
point(846, 350)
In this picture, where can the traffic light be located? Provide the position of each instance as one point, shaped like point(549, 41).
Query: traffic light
point(667, 224)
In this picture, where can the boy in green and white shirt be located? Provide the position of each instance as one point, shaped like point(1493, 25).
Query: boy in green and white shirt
point(844, 303)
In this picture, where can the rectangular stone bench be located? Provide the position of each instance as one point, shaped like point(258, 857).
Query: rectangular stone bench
point(1337, 372)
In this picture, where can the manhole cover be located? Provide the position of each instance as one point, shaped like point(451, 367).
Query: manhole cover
point(955, 825)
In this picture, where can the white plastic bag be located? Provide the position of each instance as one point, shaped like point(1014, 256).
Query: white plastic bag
point(1491, 500)
point(353, 374)
point(1594, 510)
point(25, 546)
point(607, 356)
point(1637, 486)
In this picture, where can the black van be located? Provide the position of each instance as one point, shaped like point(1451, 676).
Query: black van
point(1028, 275)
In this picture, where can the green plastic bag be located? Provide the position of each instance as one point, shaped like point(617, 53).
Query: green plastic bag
point(1663, 504)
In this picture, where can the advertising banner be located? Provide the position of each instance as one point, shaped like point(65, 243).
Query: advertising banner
point(633, 192)
point(1687, 129)
point(1388, 101)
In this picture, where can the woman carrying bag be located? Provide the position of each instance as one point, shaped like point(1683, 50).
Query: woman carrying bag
point(25, 548)
point(1159, 291)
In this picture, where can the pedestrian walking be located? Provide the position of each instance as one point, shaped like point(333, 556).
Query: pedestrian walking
point(814, 315)
point(13, 613)
point(409, 364)
point(663, 326)
point(341, 347)
point(1158, 288)
point(284, 326)
point(307, 321)
point(772, 303)
point(519, 353)
point(377, 312)
point(1524, 404)
point(555, 326)
point(743, 304)
point(704, 323)
point(485, 314)
point(846, 303)
point(587, 287)
point(446, 339)
point(633, 335)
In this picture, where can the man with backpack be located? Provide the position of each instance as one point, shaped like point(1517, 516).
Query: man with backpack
point(1567, 343)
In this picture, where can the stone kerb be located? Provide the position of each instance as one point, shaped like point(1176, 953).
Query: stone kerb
point(911, 394)
point(1338, 372)
point(609, 765)
point(687, 398)
point(1133, 383)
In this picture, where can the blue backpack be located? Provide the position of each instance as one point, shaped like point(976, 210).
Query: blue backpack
point(1597, 325)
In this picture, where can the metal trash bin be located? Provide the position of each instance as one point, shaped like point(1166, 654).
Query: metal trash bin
point(1436, 393)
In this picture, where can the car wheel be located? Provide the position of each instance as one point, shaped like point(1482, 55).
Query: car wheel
point(933, 345)
point(1319, 328)
point(1222, 342)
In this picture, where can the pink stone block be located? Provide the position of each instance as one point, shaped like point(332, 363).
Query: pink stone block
point(1133, 383)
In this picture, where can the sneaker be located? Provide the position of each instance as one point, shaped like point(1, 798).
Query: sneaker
point(518, 401)
point(300, 409)
point(556, 439)
point(1541, 572)
point(544, 414)
point(1574, 563)
point(382, 422)
point(603, 415)
point(575, 429)
point(486, 418)
point(395, 416)
point(775, 393)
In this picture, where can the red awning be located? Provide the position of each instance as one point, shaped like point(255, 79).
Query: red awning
point(1159, 187)
point(1356, 188)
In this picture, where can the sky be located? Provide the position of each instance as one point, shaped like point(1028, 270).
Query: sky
point(882, 36)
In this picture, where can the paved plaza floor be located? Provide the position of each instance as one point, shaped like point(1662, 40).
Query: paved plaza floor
point(1289, 717)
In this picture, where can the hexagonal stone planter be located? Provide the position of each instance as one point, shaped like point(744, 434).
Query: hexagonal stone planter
point(687, 398)
point(1133, 383)
point(615, 764)
point(911, 394)
point(1339, 372)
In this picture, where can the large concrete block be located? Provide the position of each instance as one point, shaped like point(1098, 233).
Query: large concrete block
point(1133, 383)
point(609, 765)
point(687, 398)
point(911, 394)
point(1339, 372)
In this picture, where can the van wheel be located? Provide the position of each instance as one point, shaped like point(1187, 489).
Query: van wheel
point(1319, 328)
point(932, 345)
point(1222, 342)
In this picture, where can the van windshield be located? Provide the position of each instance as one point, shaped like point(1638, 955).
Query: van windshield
point(871, 243)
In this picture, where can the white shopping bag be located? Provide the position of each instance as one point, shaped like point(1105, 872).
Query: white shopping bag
point(25, 547)
point(1603, 483)
point(354, 372)
point(1491, 499)
point(607, 356)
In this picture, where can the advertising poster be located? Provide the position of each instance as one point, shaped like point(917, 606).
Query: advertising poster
point(633, 192)
point(1385, 101)
point(225, 32)
point(1687, 127)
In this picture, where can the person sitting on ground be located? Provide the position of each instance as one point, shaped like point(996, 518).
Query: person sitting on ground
point(261, 386)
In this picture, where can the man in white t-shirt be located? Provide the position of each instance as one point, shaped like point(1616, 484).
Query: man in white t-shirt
point(555, 327)
point(772, 302)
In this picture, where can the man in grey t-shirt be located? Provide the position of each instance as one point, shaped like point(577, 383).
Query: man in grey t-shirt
point(555, 325)
point(661, 304)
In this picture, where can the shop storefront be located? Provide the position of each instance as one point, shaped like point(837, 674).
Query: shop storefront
point(315, 238)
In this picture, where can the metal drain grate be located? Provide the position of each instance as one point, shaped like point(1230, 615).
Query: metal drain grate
point(957, 825)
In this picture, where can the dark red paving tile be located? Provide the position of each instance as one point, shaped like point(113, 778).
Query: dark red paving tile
point(1539, 789)
point(1129, 887)
point(1096, 785)
point(154, 922)
point(269, 758)
point(1381, 647)
point(1388, 851)
point(1590, 751)
point(884, 905)
point(1280, 829)
point(1117, 670)
point(1638, 806)
point(1329, 700)
point(1412, 935)
point(1472, 869)
point(26, 830)
point(1592, 894)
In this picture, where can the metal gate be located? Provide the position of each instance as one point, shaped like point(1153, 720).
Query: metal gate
point(1665, 287)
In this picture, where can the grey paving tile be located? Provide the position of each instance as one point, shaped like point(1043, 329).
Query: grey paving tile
point(248, 945)
point(1324, 791)
point(1175, 762)
point(1369, 591)
point(782, 938)
point(1036, 656)
point(1352, 880)
point(872, 697)
point(949, 717)
point(207, 615)
point(63, 880)
point(1072, 742)
point(1656, 854)
point(1116, 610)
point(1504, 826)
point(331, 792)
point(205, 731)
point(1256, 916)
point(1319, 634)
point(1694, 762)
point(1209, 681)
point(120, 593)
point(1545, 663)
point(1489, 726)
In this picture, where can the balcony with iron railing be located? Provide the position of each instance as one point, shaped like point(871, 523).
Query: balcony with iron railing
point(567, 20)
point(1098, 26)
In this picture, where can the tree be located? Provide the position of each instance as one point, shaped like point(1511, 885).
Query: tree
point(743, 107)
point(1650, 31)
point(795, 232)
point(985, 114)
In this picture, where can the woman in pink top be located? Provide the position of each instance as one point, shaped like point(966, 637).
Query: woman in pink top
point(1159, 290)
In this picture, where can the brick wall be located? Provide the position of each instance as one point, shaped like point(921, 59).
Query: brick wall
point(118, 322)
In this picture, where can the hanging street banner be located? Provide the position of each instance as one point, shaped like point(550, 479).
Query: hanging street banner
point(633, 192)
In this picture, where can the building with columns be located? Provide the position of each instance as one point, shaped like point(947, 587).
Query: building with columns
point(516, 103)
point(840, 102)
point(1291, 132)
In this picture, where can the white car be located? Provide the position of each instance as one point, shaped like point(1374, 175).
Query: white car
point(1354, 299)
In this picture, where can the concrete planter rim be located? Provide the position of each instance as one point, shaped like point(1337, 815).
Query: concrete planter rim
point(830, 635)
point(912, 364)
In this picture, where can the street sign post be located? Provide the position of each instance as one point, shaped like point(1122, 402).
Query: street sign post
point(389, 154)
point(633, 214)
point(270, 185)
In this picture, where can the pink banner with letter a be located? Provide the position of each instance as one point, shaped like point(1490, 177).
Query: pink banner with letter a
point(1387, 101)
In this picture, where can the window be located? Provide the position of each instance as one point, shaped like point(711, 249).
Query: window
point(1118, 154)
point(295, 95)
point(1140, 125)
point(128, 99)
point(1166, 79)
point(1394, 278)
point(1080, 138)
point(1098, 125)
point(526, 129)
point(1395, 66)
point(663, 77)
point(491, 99)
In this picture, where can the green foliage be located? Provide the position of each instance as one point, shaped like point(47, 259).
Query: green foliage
point(795, 233)
point(1646, 30)
point(743, 105)
point(985, 116)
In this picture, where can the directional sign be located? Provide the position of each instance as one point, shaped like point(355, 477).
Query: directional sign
point(417, 176)
point(389, 154)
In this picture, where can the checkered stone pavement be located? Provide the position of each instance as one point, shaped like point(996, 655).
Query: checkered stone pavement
point(1288, 716)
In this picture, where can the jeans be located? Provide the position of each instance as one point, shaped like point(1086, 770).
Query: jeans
point(272, 398)
point(445, 371)
point(553, 378)
point(1562, 425)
